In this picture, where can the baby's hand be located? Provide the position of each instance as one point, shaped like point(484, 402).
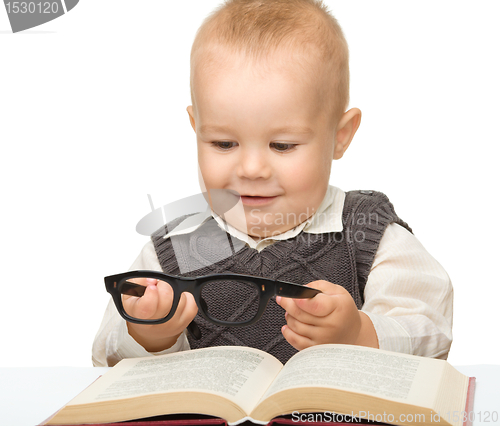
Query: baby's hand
point(156, 303)
point(329, 317)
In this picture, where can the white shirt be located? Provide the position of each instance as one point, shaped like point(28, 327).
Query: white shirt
point(408, 295)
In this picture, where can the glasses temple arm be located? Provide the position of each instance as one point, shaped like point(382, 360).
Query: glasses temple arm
point(295, 291)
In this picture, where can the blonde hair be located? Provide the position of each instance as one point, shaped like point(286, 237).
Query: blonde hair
point(258, 28)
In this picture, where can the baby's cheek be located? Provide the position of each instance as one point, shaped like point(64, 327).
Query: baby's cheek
point(211, 171)
point(309, 176)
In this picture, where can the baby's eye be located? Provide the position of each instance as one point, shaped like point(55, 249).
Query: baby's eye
point(282, 147)
point(223, 145)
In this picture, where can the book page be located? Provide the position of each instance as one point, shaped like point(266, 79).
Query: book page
point(385, 374)
point(239, 374)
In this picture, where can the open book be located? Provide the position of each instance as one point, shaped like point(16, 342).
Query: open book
point(239, 383)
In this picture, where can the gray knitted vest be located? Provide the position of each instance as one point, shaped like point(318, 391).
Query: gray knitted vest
point(343, 258)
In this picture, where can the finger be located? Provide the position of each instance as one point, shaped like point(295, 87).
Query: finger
point(296, 340)
point(322, 332)
point(299, 327)
point(325, 303)
point(158, 296)
point(285, 302)
point(143, 307)
point(289, 305)
point(184, 314)
point(166, 296)
point(187, 308)
point(320, 305)
point(305, 318)
point(309, 310)
point(291, 308)
point(327, 287)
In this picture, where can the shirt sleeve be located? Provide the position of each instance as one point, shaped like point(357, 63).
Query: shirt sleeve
point(113, 342)
point(409, 297)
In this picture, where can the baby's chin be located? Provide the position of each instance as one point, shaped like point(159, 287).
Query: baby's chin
point(254, 226)
point(262, 233)
point(255, 232)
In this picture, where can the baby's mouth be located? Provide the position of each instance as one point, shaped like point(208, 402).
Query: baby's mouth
point(256, 199)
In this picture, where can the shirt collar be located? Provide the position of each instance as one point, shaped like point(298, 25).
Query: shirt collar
point(328, 218)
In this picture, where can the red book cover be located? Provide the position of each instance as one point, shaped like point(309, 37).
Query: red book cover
point(469, 404)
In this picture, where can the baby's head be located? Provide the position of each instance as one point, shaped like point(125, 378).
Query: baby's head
point(269, 90)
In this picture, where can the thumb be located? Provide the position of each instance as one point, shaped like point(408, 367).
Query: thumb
point(327, 287)
point(324, 303)
point(189, 307)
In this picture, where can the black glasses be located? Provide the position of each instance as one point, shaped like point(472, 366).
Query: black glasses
point(230, 300)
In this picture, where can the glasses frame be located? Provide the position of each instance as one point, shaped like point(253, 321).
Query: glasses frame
point(194, 285)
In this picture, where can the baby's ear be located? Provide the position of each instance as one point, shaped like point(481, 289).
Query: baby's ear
point(346, 129)
point(189, 109)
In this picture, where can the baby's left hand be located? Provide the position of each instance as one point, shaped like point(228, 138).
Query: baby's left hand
point(329, 317)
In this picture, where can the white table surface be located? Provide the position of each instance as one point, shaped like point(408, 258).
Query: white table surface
point(30, 395)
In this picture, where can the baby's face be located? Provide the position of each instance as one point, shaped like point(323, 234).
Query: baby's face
point(264, 133)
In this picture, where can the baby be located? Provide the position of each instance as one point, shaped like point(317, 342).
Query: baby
point(270, 90)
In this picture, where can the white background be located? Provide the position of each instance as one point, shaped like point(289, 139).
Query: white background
point(92, 119)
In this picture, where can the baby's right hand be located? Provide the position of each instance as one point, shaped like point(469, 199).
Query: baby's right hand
point(156, 303)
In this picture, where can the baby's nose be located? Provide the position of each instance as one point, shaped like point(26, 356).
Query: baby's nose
point(254, 165)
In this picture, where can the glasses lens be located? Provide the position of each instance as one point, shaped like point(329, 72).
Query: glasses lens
point(230, 300)
point(136, 304)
